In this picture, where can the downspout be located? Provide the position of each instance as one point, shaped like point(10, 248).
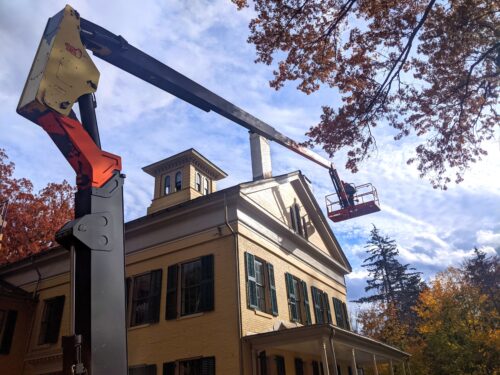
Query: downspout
point(238, 294)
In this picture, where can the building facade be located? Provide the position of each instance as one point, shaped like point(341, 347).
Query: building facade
point(246, 280)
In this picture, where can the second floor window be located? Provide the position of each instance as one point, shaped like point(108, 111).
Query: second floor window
point(145, 291)
point(341, 316)
point(261, 289)
point(190, 287)
point(178, 181)
point(166, 188)
point(298, 300)
point(321, 306)
point(51, 320)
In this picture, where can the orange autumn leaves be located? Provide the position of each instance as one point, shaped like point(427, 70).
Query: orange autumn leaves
point(428, 69)
point(32, 218)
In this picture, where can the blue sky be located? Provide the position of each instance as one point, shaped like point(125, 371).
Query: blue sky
point(206, 40)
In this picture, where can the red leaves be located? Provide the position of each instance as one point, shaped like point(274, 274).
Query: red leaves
point(424, 67)
point(32, 219)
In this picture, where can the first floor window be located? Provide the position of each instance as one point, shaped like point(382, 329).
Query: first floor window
point(280, 365)
point(51, 320)
point(198, 366)
point(7, 325)
point(317, 368)
point(261, 288)
point(190, 287)
point(321, 306)
point(298, 299)
point(299, 366)
point(146, 294)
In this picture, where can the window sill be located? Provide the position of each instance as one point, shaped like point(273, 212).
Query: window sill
point(139, 326)
point(263, 314)
point(190, 316)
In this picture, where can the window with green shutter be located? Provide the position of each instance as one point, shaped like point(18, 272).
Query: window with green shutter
point(298, 299)
point(341, 316)
point(51, 320)
point(299, 366)
point(321, 306)
point(261, 287)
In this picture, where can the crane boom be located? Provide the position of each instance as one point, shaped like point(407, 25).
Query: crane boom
point(117, 51)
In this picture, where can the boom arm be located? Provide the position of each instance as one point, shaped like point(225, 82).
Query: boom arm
point(117, 51)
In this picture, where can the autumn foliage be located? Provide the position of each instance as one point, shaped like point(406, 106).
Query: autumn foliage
point(429, 69)
point(32, 218)
point(454, 324)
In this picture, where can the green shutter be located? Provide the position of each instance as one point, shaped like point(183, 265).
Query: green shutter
point(172, 280)
point(8, 334)
point(263, 363)
point(169, 368)
point(292, 299)
point(318, 313)
point(207, 283)
point(54, 320)
point(293, 220)
point(272, 289)
point(155, 297)
point(347, 325)
point(298, 220)
point(251, 282)
point(208, 366)
point(280, 365)
point(339, 316)
point(327, 307)
point(305, 301)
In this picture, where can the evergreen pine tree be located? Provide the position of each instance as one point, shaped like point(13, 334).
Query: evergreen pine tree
point(390, 282)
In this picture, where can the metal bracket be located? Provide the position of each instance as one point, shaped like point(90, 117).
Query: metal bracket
point(93, 230)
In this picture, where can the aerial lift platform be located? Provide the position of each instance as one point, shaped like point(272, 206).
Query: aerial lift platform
point(63, 74)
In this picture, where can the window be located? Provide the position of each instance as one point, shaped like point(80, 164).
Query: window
point(321, 306)
point(146, 294)
point(7, 325)
point(341, 316)
point(166, 188)
point(298, 299)
point(190, 287)
point(317, 368)
point(178, 181)
point(299, 366)
point(280, 365)
point(206, 186)
point(198, 182)
point(262, 363)
point(142, 370)
point(298, 222)
point(261, 289)
point(51, 320)
point(199, 366)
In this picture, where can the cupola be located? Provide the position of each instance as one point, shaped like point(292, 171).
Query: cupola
point(182, 177)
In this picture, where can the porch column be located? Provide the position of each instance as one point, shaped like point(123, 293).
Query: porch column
point(335, 371)
point(408, 364)
point(403, 365)
point(391, 370)
point(353, 364)
point(324, 359)
point(375, 368)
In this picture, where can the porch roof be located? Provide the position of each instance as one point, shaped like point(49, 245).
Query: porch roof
point(310, 339)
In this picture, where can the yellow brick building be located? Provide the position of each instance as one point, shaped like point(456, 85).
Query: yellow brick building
point(247, 280)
